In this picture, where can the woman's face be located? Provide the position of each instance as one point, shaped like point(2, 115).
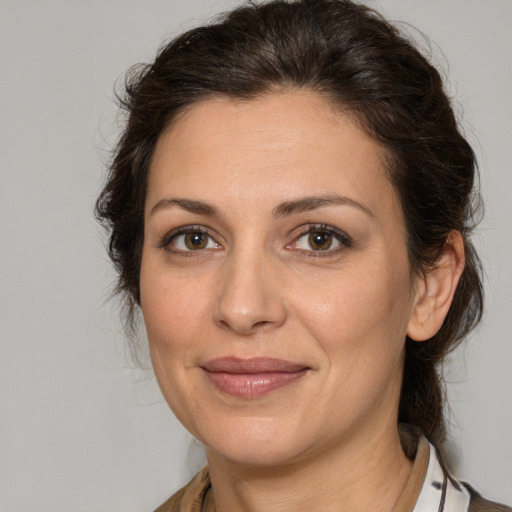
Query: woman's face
point(275, 283)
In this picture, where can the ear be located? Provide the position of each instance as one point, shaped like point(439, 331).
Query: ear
point(435, 290)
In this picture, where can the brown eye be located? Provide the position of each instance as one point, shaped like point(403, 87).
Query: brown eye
point(195, 241)
point(320, 240)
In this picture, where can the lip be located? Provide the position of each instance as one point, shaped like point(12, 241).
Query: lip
point(252, 378)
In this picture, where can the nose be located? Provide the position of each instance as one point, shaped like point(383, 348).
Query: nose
point(250, 295)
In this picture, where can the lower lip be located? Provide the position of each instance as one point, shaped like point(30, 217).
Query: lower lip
point(252, 385)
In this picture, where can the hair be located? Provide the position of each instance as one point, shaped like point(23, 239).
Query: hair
point(358, 61)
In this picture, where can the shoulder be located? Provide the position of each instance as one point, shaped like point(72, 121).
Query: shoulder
point(479, 504)
point(188, 498)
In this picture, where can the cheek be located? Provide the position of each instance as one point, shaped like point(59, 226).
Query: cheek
point(172, 307)
point(359, 318)
point(175, 314)
point(355, 303)
point(360, 328)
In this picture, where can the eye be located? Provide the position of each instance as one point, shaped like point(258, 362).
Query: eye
point(189, 240)
point(321, 239)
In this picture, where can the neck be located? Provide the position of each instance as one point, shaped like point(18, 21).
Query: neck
point(367, 473)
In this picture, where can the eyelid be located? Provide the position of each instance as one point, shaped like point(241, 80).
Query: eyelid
point(342, 237)
point(166, 239)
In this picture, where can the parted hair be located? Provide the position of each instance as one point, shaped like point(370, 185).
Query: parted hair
point(359, 62)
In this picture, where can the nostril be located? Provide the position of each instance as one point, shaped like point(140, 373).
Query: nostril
point(260, 324)
point(244, 328)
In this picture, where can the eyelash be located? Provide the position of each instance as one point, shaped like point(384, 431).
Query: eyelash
point(167, 239)
point(344, 240)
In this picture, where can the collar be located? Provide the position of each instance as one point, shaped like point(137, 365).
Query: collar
point(440, 492)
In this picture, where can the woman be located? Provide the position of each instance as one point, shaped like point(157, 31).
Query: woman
point(290, 206)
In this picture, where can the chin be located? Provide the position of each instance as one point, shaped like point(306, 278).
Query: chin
point(262, 442)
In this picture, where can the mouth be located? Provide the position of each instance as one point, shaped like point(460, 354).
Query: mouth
point(252, 378)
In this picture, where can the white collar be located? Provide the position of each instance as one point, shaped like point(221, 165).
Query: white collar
point(440, 491)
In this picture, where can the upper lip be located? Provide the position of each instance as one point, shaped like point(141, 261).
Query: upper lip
point(252, 365)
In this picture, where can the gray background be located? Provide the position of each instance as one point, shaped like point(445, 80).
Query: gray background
point(80, 429)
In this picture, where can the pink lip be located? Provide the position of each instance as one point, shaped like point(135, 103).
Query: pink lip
point(251, 378)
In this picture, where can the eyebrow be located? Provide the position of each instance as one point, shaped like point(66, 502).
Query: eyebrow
point(307, 204)
point(285, 209)
point(198, 207)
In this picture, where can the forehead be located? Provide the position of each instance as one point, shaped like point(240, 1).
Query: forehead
point(278, 147)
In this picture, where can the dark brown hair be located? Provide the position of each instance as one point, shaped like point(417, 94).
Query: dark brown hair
point(358, 61)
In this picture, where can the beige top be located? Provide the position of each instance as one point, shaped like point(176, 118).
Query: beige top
point(429, 489)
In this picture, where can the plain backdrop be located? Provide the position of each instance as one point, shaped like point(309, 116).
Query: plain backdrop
point(80, 428)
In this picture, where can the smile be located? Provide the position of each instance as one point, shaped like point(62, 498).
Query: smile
point(251, 378)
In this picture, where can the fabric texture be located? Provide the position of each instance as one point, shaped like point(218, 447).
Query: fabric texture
point(429, 488)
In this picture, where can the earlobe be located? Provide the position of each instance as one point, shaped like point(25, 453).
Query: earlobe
point(435, 290)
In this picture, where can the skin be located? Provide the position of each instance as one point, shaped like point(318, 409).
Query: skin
point(328, 440)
